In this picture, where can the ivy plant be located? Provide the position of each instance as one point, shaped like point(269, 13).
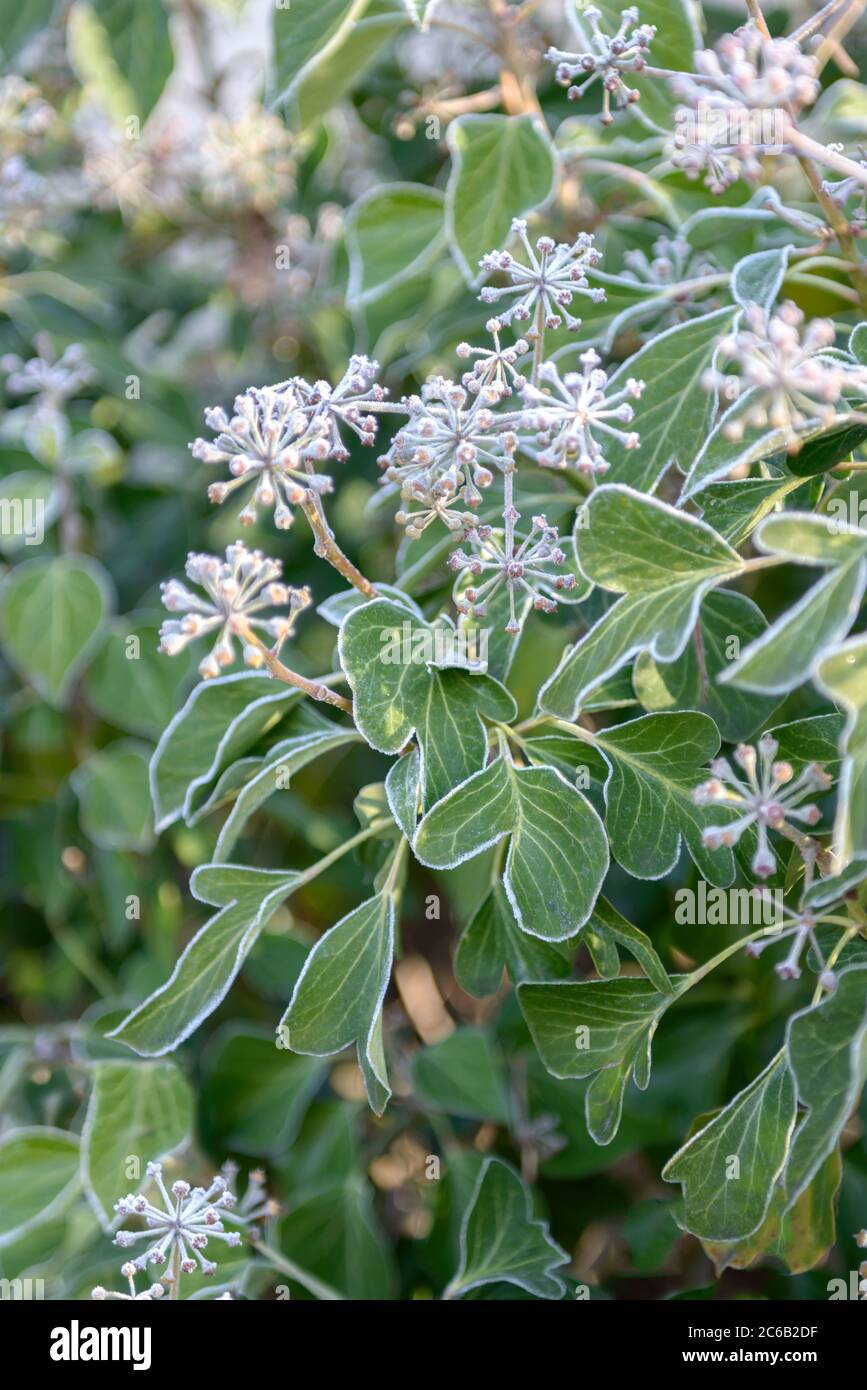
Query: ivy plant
point(491, 804)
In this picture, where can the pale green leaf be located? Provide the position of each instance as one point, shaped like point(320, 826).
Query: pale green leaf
point(247, 898)
point(730, 1167)
point(826, 1046)
point(141, 1109)
point(114, 798)
point(51, 614)
point(398, 691)
point(220, 721)
point(38, 1178)
point(392, 234)
point(843, 676)
point(338, 998)
point(502, 168)
point(463, 1075)
point(502, 1242)
point(558, 853)
point(493, 941)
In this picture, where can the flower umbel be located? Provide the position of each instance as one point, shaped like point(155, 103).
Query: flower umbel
point(129, 1272)
point(795, 385)
point(768, 796)
point(526, 567)
point(181, 1229)
point(615, 55)
point(565, 420)
point(237, 589)
point(547, 284)
point(494, 367)
point(49, 378)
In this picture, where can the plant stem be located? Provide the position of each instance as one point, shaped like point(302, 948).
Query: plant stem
point(308, 1281)
point(326, 547)
point(315, 689)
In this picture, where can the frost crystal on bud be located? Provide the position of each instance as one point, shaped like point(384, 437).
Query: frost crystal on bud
point(768, 796)
point(527, 566)
point(238, 588)
point(547, 284)
point(611, 57)
point(565, 420)
point(795, 385)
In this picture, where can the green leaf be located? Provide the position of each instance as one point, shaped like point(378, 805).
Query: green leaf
point(502, 167)
point(826, 1047)
point(656, 763)
point(38, 1178)
point(247, 898)
point(403, 791)
point(333, 1233)
point(720, 453)
point(758, 279)
point(584, 1027)
point(728, 621)
point(609, 924)
point(843, 676)
point(136, 1109)
point(273, 774)
point(734, 509)
point(220, 721)
point(255, 1094)
point(398, 691)
point(130, 683)
point(325, 83)
point(662, 561)
point(392, 234)
point(558, 853)
point(730, 1167)
point(493, 941)
point(51, 614)
point(674, 410)
point(29, 503)
point(338, 998)
point(501, 1242)
point(123, 50)
point(305, 35)
point(463, 1075)
point(114, 797)
point(790, 649)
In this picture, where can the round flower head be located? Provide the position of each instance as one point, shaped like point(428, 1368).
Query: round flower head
point(672, 262)
point(547, 284)
point(799, 928)
point(50, 379)
point(611, 56)
point(494, 368)
point(449, 446)
point(247, 163)
point(794, 385)
point(568, 419)
point(527, 568)
point(278, 434)
point(750, 70)
point(767, 796)
point(238, 590)
point(177, 1233)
